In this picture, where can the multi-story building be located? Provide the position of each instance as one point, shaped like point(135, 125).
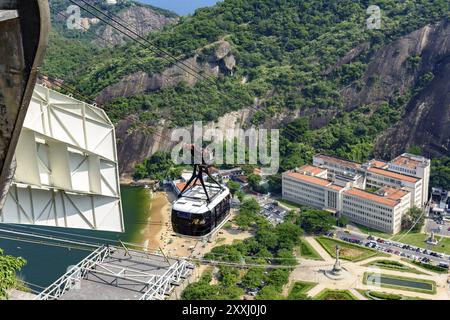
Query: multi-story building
point(377, 178)
point(308, 186)
point(416, 166)
point(369, 194)
point(382, 210)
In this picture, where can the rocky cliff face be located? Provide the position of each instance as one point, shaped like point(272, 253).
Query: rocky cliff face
point(139, 19)
point(141, 82)
point(136, 145)
point(395, 70)
point(426, 122)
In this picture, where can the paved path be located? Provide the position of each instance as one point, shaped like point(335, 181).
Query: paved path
point(320, 250)
point(314, 271)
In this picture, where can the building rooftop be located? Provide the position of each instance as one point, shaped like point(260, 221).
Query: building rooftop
point(311, 170)
point(336, 187)
point(339, 161)
point(309, 179)
point(394, 175)
point(392, 193)
point(180, 185)
point(378, 163)
point(371, 196)
point(410, 161)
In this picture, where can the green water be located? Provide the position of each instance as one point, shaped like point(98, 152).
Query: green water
point(406, 283)
point(47, 263)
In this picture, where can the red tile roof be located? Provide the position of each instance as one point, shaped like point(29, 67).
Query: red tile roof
point(371, 196)
point(309, 179)
point(311, 169)
point(393, 175)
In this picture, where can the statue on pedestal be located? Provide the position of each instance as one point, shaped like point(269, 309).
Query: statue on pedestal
point(337, 264)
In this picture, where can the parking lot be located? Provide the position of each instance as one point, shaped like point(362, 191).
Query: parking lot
point(273, 213)
point(392, 247)
point(439, 227)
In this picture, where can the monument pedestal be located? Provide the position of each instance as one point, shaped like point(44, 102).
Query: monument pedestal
point(337, 272)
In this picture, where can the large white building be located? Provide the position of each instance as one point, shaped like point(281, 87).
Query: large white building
point(415, 166)
point(370, 194)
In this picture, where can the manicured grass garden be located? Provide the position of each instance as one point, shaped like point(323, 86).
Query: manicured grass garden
point(393, 265)
point(299, 289)
point(289, 204)
point(349, 251)
point(419, 240)
point(430, 267)
point(401, 283)
point(378, 295)
point(305, 250)
point(329, 294)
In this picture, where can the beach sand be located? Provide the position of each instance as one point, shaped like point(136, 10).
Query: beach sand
point(159, 220)
point(160, 234)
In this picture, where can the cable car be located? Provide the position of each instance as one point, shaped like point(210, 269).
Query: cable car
point(202, 207)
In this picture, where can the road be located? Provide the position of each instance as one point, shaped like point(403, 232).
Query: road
point(396, 247)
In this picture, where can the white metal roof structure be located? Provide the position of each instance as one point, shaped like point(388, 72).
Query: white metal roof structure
point(195, 200)
point(67, 173)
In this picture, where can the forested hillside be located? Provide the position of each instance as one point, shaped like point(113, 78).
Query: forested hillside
point(292, 59)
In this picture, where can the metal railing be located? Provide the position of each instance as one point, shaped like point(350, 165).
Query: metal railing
point(160, 286)
point(73, 277)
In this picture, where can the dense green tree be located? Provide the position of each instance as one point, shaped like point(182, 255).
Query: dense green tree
point(414, 218)
point(254, 180)
point(8, 267)
point(233, 186)
point(278, 278)
point(440, 173)
point(158, 167)
point(254, 278)
point(269, 293)
point(274, 182)
point(315, 221)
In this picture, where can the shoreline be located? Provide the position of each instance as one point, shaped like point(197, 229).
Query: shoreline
point(129, 182)
point(158, 220)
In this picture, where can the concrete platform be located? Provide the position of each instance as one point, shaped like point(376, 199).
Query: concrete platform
point(120, 277)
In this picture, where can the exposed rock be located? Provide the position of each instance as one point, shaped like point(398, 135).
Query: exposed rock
point(230, 62)
point(141, 82)
point(389, 73)
point(427, 119)
point(136, 145)
point(223, 49)
point(139, 19)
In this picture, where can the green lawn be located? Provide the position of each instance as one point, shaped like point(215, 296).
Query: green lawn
point(305, 250)
point(419, 240)
point(430, 267)
point(299, 290)
point(393, 265)
point(382, 283)
point(289, 204)
point(329, 294)
point(371, 231)
point(349, 251)
point(378, 295)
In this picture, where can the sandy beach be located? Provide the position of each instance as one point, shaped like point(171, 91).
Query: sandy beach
point(159, 234)
point(159, 220)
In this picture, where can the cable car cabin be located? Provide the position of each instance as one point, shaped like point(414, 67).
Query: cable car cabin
point(193, 215)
